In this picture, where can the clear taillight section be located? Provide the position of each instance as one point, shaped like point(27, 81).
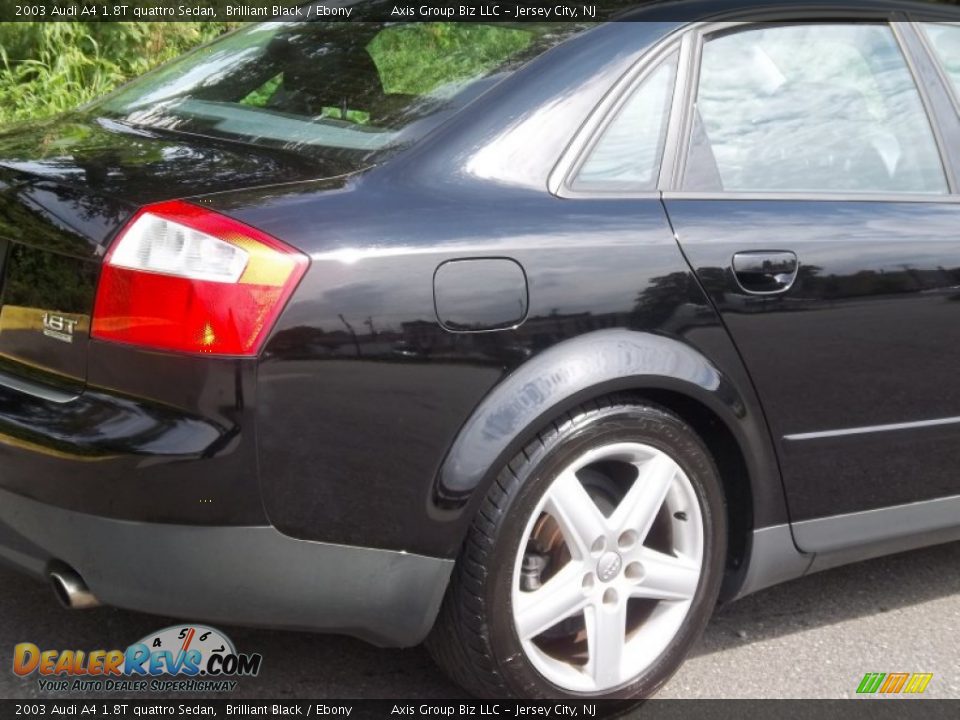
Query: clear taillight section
point(184, 278)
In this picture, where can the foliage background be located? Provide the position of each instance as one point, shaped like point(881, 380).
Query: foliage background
point(47, 68)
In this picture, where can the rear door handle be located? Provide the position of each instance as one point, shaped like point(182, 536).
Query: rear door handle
point(765, 272)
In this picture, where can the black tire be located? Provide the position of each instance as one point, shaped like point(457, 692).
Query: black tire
point(474, 640)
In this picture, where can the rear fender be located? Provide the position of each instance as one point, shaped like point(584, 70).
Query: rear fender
point(590, 366)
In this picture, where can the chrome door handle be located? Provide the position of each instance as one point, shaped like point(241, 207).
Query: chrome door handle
point(765, 272)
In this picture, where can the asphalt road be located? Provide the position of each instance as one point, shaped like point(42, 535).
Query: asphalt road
point(810, 638)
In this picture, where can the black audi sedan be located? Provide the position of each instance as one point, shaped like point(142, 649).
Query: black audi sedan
point(533, 341)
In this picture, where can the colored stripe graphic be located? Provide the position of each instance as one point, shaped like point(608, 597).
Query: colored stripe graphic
point(871, 682)
point(893, 683)
point(918, 682)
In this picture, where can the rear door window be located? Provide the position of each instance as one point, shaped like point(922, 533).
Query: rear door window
point(810, 108)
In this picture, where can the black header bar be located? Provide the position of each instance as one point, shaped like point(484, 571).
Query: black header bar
point(120, 709)
point(413, 11)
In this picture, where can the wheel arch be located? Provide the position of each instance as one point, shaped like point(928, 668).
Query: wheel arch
point(654, 368)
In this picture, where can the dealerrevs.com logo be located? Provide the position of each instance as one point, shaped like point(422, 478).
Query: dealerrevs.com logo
point(181, 658)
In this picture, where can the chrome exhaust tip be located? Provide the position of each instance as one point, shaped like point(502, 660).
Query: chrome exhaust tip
point(71, 590)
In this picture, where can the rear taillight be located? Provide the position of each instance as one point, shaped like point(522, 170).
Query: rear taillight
point(181, 277)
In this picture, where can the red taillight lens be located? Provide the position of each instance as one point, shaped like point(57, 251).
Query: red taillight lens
point(181, 277)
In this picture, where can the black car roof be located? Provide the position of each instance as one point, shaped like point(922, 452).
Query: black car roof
point(686, 10)
point(698, 10)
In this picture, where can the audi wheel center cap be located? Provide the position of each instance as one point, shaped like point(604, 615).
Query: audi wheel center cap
point(609, 566)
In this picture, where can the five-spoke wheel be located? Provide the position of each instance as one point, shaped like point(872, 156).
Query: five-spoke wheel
point(593, 563)
point(628, 586)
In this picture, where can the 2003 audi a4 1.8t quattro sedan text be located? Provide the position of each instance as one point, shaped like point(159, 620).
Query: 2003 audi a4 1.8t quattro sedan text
point(534, 341)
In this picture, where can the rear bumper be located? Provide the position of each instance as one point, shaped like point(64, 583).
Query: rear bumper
point(247, 575)
point(153, 437)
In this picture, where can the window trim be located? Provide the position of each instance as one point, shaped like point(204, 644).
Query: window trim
point(908, 34)
point(808, 196)
point(704, 31)
point(674, 149)
point(927, 44)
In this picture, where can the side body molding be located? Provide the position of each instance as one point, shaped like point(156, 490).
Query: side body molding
point(561, 377)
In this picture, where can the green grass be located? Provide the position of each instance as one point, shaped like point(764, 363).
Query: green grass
point(48, 68)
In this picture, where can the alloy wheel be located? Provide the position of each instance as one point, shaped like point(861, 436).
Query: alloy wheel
point(608, 567)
